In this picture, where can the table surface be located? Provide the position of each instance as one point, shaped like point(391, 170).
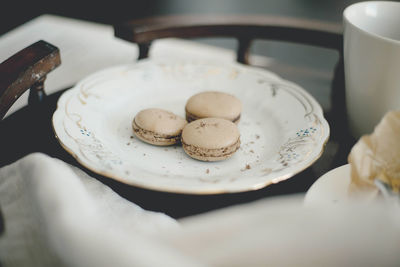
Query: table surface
point(85, 49)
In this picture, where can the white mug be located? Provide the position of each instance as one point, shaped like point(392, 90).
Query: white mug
point(372, 63)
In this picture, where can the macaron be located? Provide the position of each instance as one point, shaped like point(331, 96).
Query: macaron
point(212, 104)
point(210, 139)
point(158, 127)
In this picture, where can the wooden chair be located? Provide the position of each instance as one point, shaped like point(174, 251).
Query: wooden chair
point(29, 129)
point(246, 29)
point(27, 69)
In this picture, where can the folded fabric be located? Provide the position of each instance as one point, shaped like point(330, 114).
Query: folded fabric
point(283, 232)
point(377, 156)
point(55, 215)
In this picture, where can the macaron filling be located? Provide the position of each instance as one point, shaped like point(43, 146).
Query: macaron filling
point(216, 153)
point(154, 137)
point(191, 117)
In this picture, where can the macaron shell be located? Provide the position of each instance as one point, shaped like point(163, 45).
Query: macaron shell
point(160, 121)
point(213, 104)
point(210, 133)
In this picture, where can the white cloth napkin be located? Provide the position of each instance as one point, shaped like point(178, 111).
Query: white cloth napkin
point(55, 215)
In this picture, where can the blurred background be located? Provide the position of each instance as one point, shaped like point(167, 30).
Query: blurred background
point(105, 11)
point(310, 67)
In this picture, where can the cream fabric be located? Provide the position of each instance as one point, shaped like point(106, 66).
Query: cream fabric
point(56, 215)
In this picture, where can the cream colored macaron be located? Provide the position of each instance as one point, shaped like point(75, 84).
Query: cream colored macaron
point(210, 139)
point(213, 105)
point(158, 127)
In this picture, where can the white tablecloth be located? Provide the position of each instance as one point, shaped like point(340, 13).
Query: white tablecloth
point(55, 215)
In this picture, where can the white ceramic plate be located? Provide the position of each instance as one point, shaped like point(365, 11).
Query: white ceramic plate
point(282, 127)
point(330, 188)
